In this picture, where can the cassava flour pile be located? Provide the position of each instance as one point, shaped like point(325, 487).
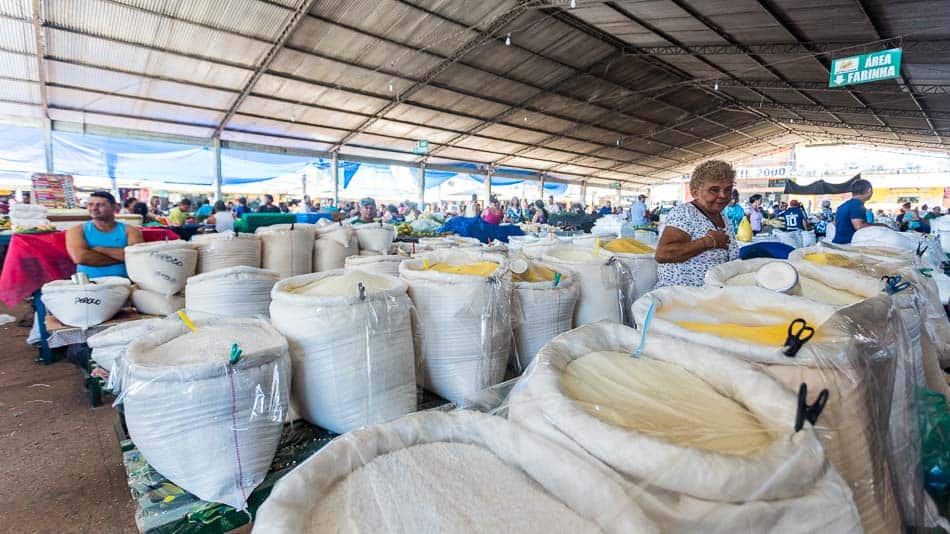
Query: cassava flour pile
point(459, 472)
point(492, 497)
point(636, 393)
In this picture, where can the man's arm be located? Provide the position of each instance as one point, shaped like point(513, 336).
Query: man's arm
point(133, 236)
point(80, 252)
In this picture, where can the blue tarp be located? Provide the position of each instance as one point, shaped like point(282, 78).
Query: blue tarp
point(21, 150)
point(476, 227)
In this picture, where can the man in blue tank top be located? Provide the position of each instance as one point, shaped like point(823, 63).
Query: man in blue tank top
point(98, 246)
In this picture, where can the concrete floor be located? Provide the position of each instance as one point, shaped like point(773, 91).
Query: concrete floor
point(61, 468)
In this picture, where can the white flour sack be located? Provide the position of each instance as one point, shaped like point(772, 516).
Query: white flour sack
point(162, 267)
point(353, 359)
point(598, 279)
point(287, 249)
point(542, 304)
point(231, 292)
point(205, 415)
point(376, 237)
point(462, 321)
point(335, 243)
point(384, 264)
point(826, 284)
point(220, 251)
point(85, 305)
point(704, 442)
point(861, 353)
point(152, 303)
point(458, 472)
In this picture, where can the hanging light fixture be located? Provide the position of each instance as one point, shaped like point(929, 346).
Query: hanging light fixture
point(573, 4)
point(508, 39)
point(390, 86)
point(716, 87)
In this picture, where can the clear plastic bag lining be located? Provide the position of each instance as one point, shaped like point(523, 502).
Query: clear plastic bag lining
point(461, 323)
point(540, 311)
point(206, 408)
point(599, 280)
point(863, 354)
point(460, 472)
point(702, 441)
point(357, 368)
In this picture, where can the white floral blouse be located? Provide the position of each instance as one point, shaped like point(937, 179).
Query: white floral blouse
point(692, 272)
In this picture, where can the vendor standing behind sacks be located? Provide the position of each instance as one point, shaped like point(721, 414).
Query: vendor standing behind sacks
point(695, 236)
point(852, 215)
point(98, 246)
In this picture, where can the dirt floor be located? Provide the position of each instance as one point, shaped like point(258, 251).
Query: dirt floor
point(61, 468)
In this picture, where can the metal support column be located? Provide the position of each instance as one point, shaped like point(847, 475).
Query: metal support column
point(335, 171)
point(216, 143)
point(541, 187)
point(422, 184)
point(488, 185)
point(303, 184)
point(584, 194)
point(48, 144)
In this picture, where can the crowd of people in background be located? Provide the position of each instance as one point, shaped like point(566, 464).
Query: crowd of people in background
point(222, 214)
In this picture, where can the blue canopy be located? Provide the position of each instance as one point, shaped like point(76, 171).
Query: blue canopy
point(21, 149)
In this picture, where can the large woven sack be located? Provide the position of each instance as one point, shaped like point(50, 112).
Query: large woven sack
point(541, 311)
point(792, 238)
point(162, 267)
point(85, 305)
point(287, 249)
point(462, 322)
point(861, 353)
point(387, 264)
point(152, 303)
point(220, 251)
point(599, 280)
point(353, 359)
point(231, 292)
point(376, 237)
point(584, 488)
point(786, 486)
point(638, 276)
point(335, 243)
point(206, 422)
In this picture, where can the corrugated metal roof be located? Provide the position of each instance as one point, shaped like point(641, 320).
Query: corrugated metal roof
point(383, 73)
point(17, 36)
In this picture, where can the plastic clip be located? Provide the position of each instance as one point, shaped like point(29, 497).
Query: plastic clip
point(809, 412)
point(894, 284)
point(557, 278)
point(362, 290)
point(920, 251)
point(292, 226)
point(798, 333)
point(235, 354)
point(926, 271)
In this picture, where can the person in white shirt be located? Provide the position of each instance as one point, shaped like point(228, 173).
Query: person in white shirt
point(472, 209)
point(638, 212)
point(222, 219)
point(552, 206)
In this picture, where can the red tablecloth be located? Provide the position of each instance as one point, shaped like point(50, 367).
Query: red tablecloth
point(34, 259)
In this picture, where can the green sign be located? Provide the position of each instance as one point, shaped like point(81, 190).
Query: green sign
point(421, 148)
point(616, 185)
point(867, 68)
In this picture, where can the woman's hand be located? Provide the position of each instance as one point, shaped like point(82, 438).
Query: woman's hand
point(718, 239)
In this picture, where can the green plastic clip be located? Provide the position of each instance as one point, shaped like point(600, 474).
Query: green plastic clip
point(235, 354)
point(557, 278)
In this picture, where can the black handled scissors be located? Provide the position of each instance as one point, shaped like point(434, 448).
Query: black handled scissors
point(895, 284)
point(798, 333)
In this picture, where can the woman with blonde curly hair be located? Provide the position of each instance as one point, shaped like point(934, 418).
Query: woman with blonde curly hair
point(695, 237)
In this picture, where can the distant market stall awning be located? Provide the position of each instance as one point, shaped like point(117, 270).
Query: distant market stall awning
point(820, 187)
